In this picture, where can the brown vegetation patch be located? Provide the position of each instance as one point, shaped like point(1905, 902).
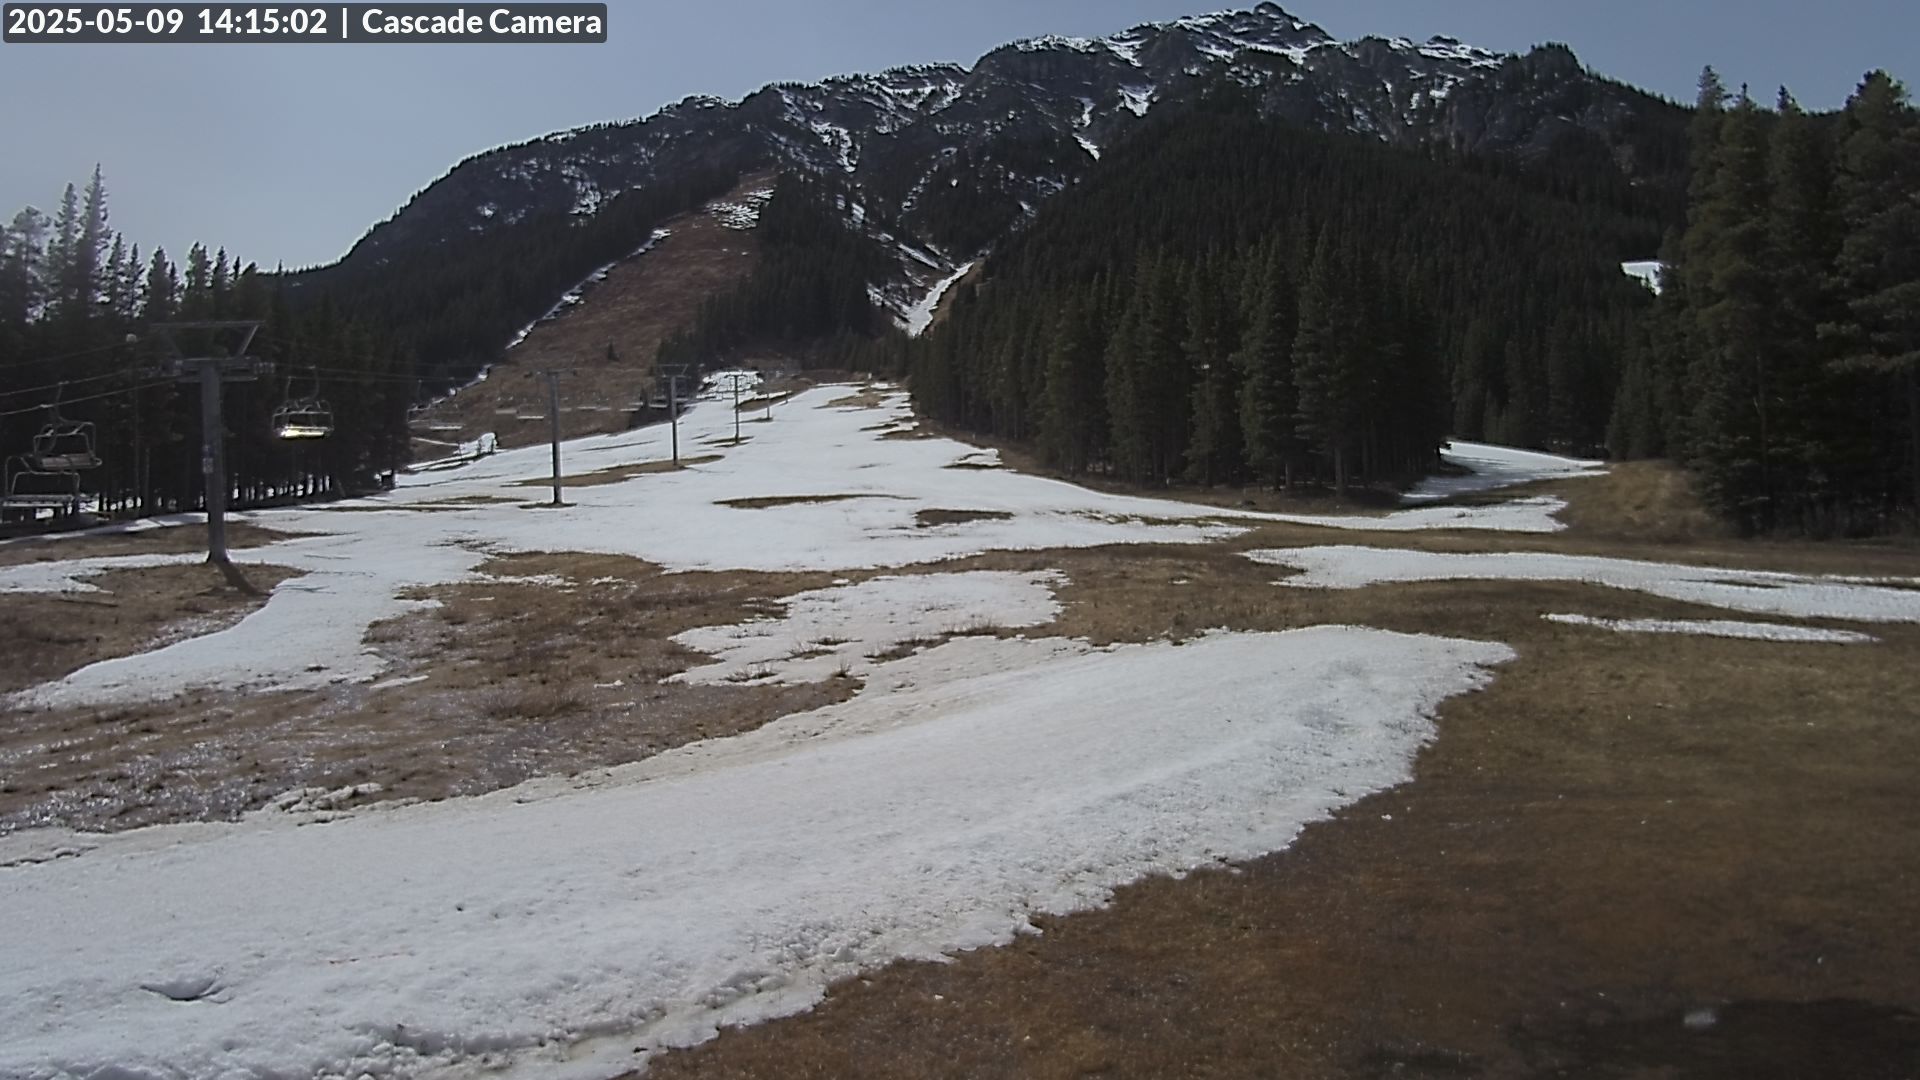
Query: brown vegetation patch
point(165, 540)
point(618, 473)
point(928, 519)
point(867, 397)
point(771, 501)
point(1597, 841)
point(48, 636)
point(503, 681)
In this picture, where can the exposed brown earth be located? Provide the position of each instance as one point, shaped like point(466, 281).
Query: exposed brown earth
point(47, 636)
point(1620, 833)
point(1631, 857)
point(502, 682)
point(167, 541)
point(639, 304)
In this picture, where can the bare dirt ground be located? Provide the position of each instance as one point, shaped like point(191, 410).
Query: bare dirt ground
point(640, 304)
point(1630, 857)
point(169, 541)
point(504, 681)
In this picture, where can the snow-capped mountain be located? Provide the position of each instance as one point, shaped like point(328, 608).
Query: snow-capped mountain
point(955, 155)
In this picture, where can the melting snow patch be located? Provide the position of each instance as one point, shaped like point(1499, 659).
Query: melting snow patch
point(1494, 467)
point(1648, 271)
point(841, 629)
point(920, 315)
point(1750, 631)
point(1755, 592)
point(575, 921)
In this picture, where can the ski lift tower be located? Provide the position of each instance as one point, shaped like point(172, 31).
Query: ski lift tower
point(673, 373)
point(222, 358)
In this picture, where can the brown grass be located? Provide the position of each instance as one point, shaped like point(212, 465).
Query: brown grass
point(47, 636)
point(867, 397)
point(619, 473)
point(769, 502)
point(1621, 829)
point(170, 540)
point(520, 680)
point(928, 519)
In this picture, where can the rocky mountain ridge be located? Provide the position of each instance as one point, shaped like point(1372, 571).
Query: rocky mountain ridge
point(949, 157)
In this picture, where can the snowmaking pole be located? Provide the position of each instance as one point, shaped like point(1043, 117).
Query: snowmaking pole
point(736, 406)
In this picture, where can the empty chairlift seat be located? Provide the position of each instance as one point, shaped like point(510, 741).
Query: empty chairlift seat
point(64, 446)
point(32, 489)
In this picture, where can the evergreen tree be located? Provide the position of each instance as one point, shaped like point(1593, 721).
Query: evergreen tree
point(1877, 269)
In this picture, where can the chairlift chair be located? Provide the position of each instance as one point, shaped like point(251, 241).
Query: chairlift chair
point(65, 446)
point(307, 418)
point(34, 489)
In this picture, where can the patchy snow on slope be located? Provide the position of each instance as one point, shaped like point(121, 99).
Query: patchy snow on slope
point(744, 214)
point(437, 527)
point(1494, 467)
point(1136, 99)
point(573, 927)
point(839, 630)
point(920, 315)
point(1749, 631)
point(1754, 592)
point(1648, 271)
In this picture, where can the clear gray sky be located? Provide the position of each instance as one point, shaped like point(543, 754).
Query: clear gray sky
point(290, 153)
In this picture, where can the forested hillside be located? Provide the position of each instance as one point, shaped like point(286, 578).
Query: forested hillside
point(1228, 298)
point(79, 306)
point(1783, 359)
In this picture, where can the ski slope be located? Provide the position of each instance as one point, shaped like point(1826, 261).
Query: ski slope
point(573, 928)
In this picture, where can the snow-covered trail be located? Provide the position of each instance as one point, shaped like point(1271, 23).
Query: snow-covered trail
point(569, 930)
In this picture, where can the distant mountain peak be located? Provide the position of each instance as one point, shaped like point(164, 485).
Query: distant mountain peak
point(955, 154)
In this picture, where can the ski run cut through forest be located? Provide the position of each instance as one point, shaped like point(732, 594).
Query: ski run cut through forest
point(986, 772)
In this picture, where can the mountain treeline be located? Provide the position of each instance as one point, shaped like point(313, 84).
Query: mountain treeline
point(457, 304)
point(1228, 299)
point(79, 352)
point(1782, 361)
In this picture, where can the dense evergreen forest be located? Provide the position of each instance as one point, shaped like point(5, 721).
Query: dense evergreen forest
point(1783, 358)
point(1227, 299)
point(78, 347)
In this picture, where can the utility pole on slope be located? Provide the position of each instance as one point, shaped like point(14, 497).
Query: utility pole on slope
point(552, 375)
point(213, 372)
point(674, 373)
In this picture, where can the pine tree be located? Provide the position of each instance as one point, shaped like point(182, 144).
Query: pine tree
point(1074, 410)
point(1269, 405)
point(1878, 266)
point(1329, 362)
